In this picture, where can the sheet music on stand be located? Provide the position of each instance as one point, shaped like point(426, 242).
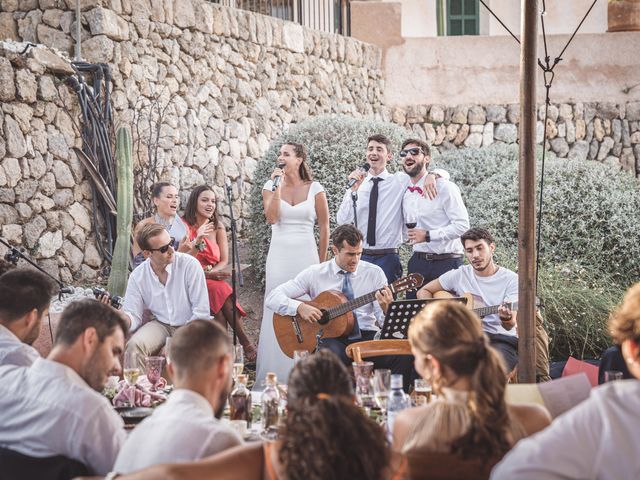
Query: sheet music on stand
point(400, 313)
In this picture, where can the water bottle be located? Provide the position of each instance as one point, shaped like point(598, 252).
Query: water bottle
point(270, 407)
point(397, 401)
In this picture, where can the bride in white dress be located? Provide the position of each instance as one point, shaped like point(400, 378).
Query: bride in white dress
point(292, 209)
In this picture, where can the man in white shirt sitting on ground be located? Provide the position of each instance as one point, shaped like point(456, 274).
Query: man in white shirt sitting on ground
point(490, 285)
point(170, 285)
point(186, 427)
point(53, 407)
point(25, 296)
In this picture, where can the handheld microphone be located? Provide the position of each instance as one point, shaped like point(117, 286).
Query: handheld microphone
point(364, 168)
point(278, 179)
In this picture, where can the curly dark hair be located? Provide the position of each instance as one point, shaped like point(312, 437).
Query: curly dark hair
point(323, 423)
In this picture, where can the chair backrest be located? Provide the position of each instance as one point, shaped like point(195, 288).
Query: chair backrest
point(446, 466)
point(15, 465)
point(379, 348)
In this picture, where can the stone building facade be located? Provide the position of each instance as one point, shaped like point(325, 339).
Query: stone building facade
point(230, 81)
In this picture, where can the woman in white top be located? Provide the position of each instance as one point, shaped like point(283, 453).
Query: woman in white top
point(166, 200)
point(470, 418)
point(292, 208)
point(599, 438)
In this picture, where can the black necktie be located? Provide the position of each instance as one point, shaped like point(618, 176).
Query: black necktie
point(373, 212)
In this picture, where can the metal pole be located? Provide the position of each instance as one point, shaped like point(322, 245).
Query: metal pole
point(527, 199)
point(78, 29)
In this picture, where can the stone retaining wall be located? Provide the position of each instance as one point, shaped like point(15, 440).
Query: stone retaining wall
point(230, 80)
point(605, 132)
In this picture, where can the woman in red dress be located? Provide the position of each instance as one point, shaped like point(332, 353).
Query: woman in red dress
point(208, 243)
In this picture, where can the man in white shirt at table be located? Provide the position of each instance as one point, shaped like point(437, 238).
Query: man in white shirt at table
point(54, 406)
point(439, 221)
point(170, 285)
point(379, 206)
point(186, 427)
point(25, 296)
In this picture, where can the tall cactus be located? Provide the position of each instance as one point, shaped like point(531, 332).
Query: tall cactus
point(121, 254)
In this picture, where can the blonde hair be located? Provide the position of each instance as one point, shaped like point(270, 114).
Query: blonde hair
point(453, 335)
point(624, 323)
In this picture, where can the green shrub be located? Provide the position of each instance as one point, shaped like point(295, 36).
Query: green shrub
point(335, 145)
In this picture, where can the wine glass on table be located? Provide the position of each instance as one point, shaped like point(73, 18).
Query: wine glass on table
point(131, 373)
point(381, 387)
point(153, 370)
point(238, 362)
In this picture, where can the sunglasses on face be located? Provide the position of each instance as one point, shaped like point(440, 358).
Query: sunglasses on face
point(164, 248)
point(410, 151)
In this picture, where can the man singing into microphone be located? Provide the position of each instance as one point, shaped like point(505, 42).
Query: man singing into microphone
point(379, 214)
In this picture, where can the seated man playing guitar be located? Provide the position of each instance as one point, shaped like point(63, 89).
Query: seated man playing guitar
point(344, 273)
point(490, 286)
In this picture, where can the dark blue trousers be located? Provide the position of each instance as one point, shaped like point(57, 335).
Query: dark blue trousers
point(389, 263)
point(430, 269)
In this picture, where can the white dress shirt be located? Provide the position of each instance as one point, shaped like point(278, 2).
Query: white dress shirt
point(598, 439)
point(182, 299)
point(182, 429)
point(445, 217)
point(490, 291)
point(48, 409)
point(13, 351)
point(322, 277)
point(389, 219)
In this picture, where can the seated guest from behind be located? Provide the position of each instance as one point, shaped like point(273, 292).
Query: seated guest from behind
point(186, 426)
point(207, 241)
point(490, 285)
point(166, 201)
point(598, 439)
point(324, 436)
point(169, 284)
point(470, 417)
point(24, 301)
point(54, 407)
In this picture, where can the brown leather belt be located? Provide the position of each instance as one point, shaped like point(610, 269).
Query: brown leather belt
point(436, 256)
point(382, 251)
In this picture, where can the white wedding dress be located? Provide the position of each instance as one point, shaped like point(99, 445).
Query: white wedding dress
point(293, 248)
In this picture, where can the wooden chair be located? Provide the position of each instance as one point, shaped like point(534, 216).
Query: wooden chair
point(443, 466)
point(377, 348)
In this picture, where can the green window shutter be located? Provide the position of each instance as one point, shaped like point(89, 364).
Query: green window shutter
point(463, 17)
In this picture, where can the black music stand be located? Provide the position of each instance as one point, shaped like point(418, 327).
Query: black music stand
point(401, 312)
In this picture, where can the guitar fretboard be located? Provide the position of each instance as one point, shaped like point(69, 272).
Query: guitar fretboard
point(484, 311)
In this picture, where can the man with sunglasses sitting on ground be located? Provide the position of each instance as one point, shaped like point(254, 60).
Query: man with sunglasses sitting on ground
point(169, 284)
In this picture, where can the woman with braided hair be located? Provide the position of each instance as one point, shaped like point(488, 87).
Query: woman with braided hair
point(324, 436)
point(470, 418)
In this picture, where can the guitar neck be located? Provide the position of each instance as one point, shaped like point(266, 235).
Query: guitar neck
point(485, 311)
point(351, 305)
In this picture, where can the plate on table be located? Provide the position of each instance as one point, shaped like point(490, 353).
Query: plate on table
point(134, 415)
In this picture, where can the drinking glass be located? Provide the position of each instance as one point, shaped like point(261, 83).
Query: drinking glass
point(612, 375)
point(381, 385)
point(363, 372)
point(422, 392)
point(238, 362)
point(153, 370)
point(299, 355)
point(167, 345)
point(410, 215)
point(131, 373)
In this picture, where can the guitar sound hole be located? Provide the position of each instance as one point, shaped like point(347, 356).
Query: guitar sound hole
point(324, 319)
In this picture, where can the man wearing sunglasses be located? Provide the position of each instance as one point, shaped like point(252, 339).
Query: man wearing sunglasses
point(379, 206)
point(169, 284)
point(436, 223)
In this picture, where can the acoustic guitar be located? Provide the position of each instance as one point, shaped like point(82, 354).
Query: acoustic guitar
point(294, 333)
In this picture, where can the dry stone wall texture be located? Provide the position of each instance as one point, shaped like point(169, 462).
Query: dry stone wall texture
point(227, 81)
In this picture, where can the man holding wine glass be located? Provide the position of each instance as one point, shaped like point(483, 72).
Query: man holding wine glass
point(434, 225)
point(186, 426)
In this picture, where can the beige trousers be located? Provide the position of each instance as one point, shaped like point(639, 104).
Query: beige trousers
point(149, 340)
